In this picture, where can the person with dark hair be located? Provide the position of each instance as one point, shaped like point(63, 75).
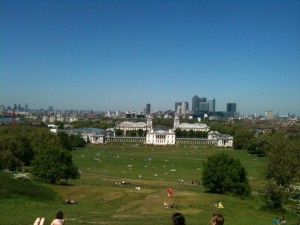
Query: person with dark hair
point(282, 220)
point(178, 219)
point(217, 219)
point(59, 219)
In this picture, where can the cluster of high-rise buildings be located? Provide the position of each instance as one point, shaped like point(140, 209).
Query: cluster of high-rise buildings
point(201, 107)
point(204, 106)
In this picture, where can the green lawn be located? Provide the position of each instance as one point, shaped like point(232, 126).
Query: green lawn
point(101, 200)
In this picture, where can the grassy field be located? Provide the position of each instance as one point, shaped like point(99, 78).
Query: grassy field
point(102, 200)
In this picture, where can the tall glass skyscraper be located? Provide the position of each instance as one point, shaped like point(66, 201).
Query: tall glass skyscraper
point(231, 109)
point(195, 103)
point(212, 105)
point(148, 108)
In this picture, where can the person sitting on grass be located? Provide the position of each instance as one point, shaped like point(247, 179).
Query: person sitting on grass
point(275, 221)
point(59, 219)
point(282, 220)
point(217, 219)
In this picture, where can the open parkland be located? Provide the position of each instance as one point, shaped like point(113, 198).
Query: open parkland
point(125, 183)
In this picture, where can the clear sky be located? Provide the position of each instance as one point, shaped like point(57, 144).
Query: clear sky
point(123, 54)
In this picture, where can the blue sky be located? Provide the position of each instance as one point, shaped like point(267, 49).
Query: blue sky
point(121, 55)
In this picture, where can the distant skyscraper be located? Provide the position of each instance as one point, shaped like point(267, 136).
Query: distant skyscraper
point(195, 103)
point(148, 108)
point(203, 106)
point(212, 105)
point(26, 107)
point(108, 113)
point(231, 109)
point(202, 99)
point(269, 115)
point(2, 109)
point(184, 107)
point(51, 108)
point(181, 107)
point(177, 104)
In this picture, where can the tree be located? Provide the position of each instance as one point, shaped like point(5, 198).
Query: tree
point(178, 132)
point(119, 132)
point(65, 140)
point(77, 141)
point(140, 132)
point(242, 138)
point(222, 128)
point(224, 174)
point(257, 145)
point(282, 169)
point(191, 133)
point(53, 165)
point(184, 133)
point(41, 138)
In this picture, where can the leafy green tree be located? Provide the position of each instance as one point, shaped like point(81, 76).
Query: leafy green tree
point(25, 150)
point(284, 164)
point(140, 132)
point(257, 145)
point(41, 138)
point(222, 128)
point(15, 151)
point(178, 132)
point(145, 133)
point(282, 169)
point(242, 138)
point(8, 160)
point(184, 133)
point(119, 132)
point(65, 140)
point(191, 134)
point(224, 174)
point(201, 134)
point(53, 165)
point(275, 195)
point(132, 133)
point(166, 122)
point(77, 141)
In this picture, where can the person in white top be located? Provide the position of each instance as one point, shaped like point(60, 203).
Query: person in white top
point(59, 219)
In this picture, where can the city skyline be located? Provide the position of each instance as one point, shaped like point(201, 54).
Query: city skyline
point(231, 108)
point(121, 55)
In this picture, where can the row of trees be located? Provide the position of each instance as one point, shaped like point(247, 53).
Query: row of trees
point(132, 133)
point(28, 146)
point(190, 134)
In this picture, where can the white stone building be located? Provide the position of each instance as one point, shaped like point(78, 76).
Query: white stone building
point(126, 125)
point(97, 138)
point(223, 140)
point(160, 137)
point(189, 126)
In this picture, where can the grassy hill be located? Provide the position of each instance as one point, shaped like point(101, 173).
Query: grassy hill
point(102, 199)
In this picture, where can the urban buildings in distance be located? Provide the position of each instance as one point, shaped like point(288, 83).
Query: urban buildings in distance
point(200, 107)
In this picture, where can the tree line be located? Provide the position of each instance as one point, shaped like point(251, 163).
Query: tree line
point(48, 154)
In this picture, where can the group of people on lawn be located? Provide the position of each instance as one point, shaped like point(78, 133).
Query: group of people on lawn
point(282, 221)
